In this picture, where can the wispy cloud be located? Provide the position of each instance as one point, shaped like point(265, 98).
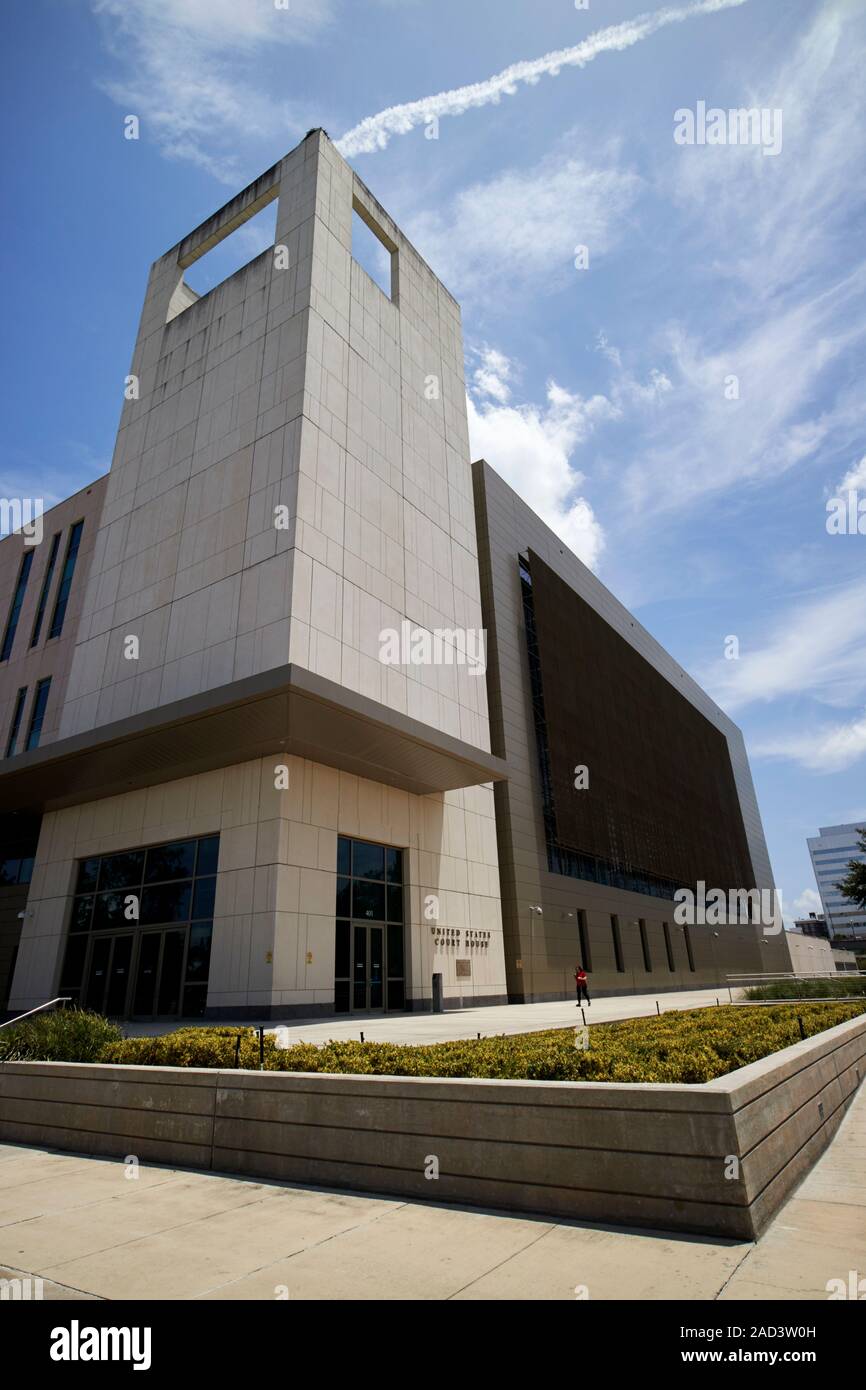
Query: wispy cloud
point(374, 132)
point(778, 237)
point(818, 648)
point(526, 223)
point(188, 71)
point(531, 447)
point(830, 748)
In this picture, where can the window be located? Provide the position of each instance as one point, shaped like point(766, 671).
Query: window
point(617, 944)
point(583, 933)
point(66, 580)
point(241, 244)
point(688, 939)
point(14, 871)
point(17, 600)
point(669, 947)
point(373, 249)
point(165, 971)
point(15, 726)
point(37, 718)
point(43, 592)
point(645, 947)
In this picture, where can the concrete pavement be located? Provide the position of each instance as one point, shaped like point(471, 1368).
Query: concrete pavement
point(91, 1232)
point(466, 1023)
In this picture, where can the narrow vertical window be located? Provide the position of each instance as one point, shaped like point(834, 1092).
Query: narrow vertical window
point(583, 931)
point(669, 947)
point(43, 592)
point(617, 944)
point(645, 947)
point(17, 600)
point(37, 718)
point(15, 726)
point(688, 938)
point(66, 580)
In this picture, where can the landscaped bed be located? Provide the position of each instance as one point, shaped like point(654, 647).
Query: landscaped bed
point(692, 1047)
point(804, 988)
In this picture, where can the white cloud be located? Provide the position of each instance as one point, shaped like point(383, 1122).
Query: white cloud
point(855, 478)
point(818, 648)
point(808, 901)
point(751, 410)
point(523, 226)
point(831, 748)
point(374, 132)
point(531, 448)
point(779, 236)
point(774, 222)
point(189, 72)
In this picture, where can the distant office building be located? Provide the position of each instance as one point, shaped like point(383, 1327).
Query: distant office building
point(248, 761)
point(831, 850)
point(813, 925)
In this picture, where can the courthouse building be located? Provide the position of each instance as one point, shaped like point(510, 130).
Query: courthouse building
point(253, 766)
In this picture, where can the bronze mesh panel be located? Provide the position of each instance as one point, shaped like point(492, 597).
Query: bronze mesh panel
point(661, 798)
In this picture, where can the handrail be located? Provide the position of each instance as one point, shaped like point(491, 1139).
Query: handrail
point(61, 999)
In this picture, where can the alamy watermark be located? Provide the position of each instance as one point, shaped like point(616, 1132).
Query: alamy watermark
point(420, 646)
point(740, 126)
point(24, 515)
point(846, 515)
point(715, 907)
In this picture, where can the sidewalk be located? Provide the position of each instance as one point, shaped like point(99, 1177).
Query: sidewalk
point(463, 1023)
point(79, 1224)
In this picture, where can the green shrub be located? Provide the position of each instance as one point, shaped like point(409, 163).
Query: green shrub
point(65, 1035)
point(193, 1047)
point(832, 988)
point(690, 1047)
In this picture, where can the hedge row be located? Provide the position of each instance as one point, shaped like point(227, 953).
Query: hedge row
point(690, 1047)
point(69, 1035)
point(687, 1047)
point(809, 989)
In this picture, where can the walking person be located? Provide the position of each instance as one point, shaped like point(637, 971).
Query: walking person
point(581, 983)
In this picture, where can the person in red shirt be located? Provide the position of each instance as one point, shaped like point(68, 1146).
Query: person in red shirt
point(581, 983)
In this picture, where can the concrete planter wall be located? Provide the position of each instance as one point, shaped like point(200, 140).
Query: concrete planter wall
point(646, 1155)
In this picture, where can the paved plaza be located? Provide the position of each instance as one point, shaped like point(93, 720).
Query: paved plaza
point(467, 1023)
point(89, 1232)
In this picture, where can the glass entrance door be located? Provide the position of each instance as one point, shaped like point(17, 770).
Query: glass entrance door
point(108, 976)
point(159, 975)
point(368, 991)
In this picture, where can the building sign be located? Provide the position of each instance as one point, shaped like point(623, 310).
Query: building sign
point(459, 936)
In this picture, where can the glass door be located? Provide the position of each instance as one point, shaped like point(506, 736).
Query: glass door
point(159, 974)
point(368, 974)
point(107, 985)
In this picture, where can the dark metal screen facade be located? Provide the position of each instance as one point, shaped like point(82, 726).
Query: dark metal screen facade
point(661, 802)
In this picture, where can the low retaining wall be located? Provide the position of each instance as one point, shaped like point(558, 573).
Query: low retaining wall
point(647, 1155)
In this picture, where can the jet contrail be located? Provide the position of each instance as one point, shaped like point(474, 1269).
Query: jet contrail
point(374, 132)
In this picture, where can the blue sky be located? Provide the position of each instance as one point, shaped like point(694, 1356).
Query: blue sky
point(602, 394)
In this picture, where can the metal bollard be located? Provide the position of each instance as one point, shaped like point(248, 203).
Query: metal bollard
point(438, 1006)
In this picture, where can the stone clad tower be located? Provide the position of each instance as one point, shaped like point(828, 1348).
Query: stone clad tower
point(291, 482)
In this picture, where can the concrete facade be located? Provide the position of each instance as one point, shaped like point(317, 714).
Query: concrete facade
point(291, 479)
point(547, 945)
point(291, 484)
point(813, 955)
point(28, 663)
